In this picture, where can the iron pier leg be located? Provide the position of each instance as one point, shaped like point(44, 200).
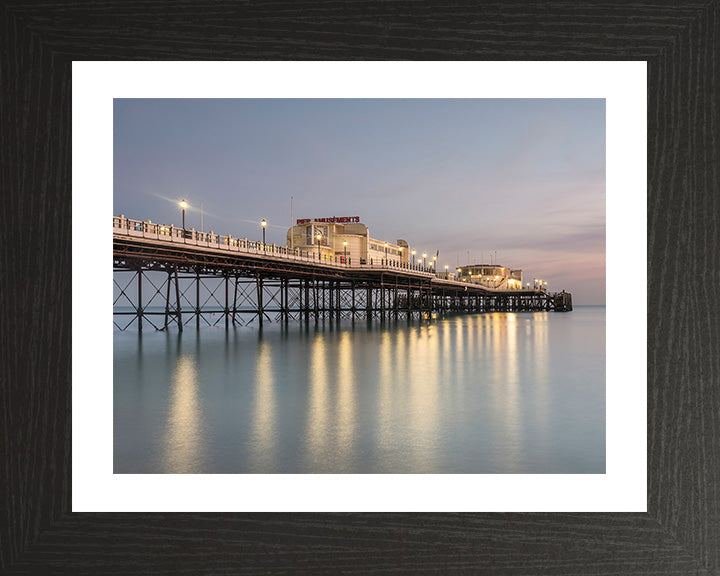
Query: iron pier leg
point(316, 290)
point(282, 299)
point(300, 299)
point(227, 308)
point(139, 306)
point(382, 297)
point(395, 299)
point(259, 284)
point(409, 299)
point(287, 299)
point(421, 303)
point(338, 300)
point(234, 309)
point(197, 299)
point(167, 299)
point(177, 300)
point(368, 305)
point(325, 307)
point(352, 297)
point(307, 300)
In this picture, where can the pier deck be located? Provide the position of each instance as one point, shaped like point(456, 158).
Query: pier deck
point(208, 278)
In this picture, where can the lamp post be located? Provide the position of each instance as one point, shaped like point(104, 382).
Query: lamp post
point(183, 205)
point(345, 250)
point(434, 263)
point(319, 237)
point(386, 246)
point(446, 272)
point(413, 253)
point(424, 257)
point(263, 224)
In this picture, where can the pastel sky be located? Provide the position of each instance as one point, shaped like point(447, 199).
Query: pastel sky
point(523, 178)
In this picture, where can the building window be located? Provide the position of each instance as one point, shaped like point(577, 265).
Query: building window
point(312, 232)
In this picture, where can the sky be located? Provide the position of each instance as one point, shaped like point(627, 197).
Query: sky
point(521, 181)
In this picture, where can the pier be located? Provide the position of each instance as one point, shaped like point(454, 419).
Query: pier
point(167, 276)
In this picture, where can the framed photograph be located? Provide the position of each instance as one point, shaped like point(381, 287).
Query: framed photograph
point(108, 517)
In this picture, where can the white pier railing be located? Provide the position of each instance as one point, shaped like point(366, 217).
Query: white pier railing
point(210, 240)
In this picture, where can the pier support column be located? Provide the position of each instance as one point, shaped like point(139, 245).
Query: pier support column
point(338, 300)
point(352, 296)
point(286, 281)
point(227, 309)
point(382, 298)
point(139, 309)
point(300, 299)
point(329, 288)
point(177, 300)
point(307, 300)
point(368, 304)
point(408, 304)
point(316, 289)
point(197, 299)
point(395, 300)
point(261, 313)
point(235, 290)
point(167, 299)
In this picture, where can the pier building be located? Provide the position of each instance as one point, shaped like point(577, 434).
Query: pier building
point(491, 276)
point(337, 238)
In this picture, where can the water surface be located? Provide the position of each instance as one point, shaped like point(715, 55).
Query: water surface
point(479, 393)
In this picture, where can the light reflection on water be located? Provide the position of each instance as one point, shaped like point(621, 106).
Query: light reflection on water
point(184, 437)
point(486, 393)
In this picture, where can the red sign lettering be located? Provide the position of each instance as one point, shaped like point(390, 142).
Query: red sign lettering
point(334, 219)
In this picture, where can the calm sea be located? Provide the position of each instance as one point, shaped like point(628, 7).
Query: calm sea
point(482, 393)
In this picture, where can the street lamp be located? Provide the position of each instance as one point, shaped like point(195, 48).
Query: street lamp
point(446, 272)
point(319, 237)
point(424, 256)
point(345, 250)
point(386, 245)
point(413, 253)
point(263, 224)
point(183, 205)
point(434, 263)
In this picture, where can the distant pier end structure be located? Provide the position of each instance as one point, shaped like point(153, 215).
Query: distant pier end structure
point(331, 268)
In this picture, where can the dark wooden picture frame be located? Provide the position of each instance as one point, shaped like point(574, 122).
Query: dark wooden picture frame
point(680, 533)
